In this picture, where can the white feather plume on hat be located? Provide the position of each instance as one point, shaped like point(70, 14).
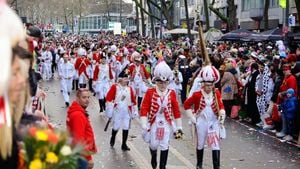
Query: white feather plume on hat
point(209, 74)
point(162, 72)
point(11, 33)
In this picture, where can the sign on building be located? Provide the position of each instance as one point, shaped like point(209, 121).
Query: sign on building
point(117, 28)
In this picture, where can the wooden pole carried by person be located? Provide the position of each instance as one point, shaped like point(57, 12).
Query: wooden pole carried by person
point(202, 45)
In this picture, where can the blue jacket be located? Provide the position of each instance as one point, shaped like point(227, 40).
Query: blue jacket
point(289, 107)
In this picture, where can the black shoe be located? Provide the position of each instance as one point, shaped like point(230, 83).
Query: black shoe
point(113, 137)
point(124, 146)
point(69, 93)
point(153, 158)
point(199, 158)
point(216, 159)
point(67, 104)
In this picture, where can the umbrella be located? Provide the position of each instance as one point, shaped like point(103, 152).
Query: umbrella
point(179, 31)
point(212, 34)
point(270, 35)
point(237, 35)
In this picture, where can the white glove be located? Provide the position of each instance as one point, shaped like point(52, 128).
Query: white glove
point(190, 115)
point(222, 116)
point(178, 123)
point(134, 114)
point(144, 121)
point(109, 110)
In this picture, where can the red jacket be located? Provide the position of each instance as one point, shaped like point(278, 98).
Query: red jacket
point(97, 56)
point(79, 126)
point(97, 71)
point(132, 71)
point(289, 82)
point(150, 107)
point(197, 99)
point(81, 65)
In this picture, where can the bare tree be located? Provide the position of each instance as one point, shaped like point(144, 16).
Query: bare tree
point(151, 20)
point(266, 14)
point(205, 5)
point(297, 2)
point(143, 20)
point(230, 19)
point(187, 19)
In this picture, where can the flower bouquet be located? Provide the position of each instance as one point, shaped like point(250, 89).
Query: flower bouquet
point(47, 149)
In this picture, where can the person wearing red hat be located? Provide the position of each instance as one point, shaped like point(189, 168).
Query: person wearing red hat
point(160, 115)
point(121, 107)
point(206, 111)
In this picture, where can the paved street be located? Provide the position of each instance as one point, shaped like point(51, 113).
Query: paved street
point(245, 148)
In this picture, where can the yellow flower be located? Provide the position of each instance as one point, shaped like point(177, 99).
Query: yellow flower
point(41, 135)
point(66, 150)
point(51, 157)
point(36, 164)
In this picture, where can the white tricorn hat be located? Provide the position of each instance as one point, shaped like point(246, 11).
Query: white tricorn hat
point(81, 52)
point(11, 32)
point(136, 56)
point(162, 72)
point(209, 74)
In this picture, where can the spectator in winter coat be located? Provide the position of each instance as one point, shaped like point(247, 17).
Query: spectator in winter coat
point(79, 125)
point(289, 108)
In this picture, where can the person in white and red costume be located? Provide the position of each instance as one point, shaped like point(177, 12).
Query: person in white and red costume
point(80, 65)
point(206, 110)
point(160, 115)
point(138, 76)
point(102, 80)
point(121, 108)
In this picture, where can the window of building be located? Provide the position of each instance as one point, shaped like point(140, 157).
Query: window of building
point(81, 23)
point(257, 4)
point(95, 22)
point(190, 2)
point(246, 5)
point(99, 22)
point(274, 3)
point(86, 23)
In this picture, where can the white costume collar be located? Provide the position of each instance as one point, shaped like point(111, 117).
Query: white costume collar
point(160, 93)
point(205, 95)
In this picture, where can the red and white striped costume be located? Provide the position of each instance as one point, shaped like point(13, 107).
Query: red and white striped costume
point(162, 111)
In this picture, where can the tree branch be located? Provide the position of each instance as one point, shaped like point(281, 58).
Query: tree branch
point(154, 4)
point(171, 5)
point(149, 14)
point(218, 13)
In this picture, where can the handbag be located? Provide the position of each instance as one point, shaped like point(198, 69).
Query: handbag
point(235, 111)
point(276, 115)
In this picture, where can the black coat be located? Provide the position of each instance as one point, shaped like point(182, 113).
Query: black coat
point(250, 88)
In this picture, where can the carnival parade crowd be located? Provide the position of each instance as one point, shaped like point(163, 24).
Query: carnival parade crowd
point(147, 79)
